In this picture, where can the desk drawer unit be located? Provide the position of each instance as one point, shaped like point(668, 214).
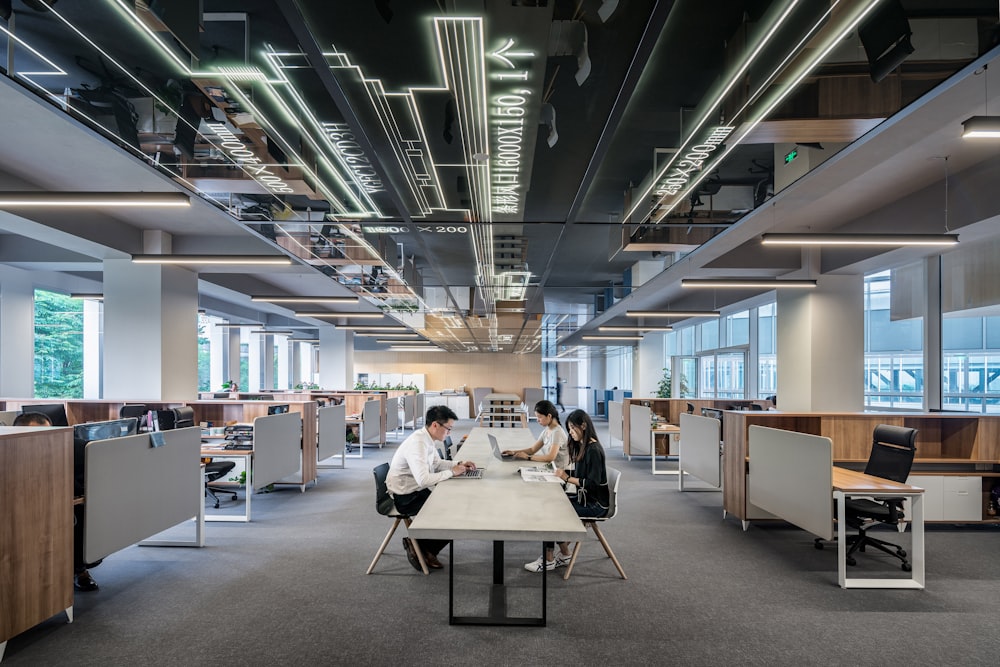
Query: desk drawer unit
point(950, 497)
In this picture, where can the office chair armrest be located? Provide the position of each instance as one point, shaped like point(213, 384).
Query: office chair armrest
point(895, 506)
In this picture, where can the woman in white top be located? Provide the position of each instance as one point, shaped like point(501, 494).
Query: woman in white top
point(551, 446)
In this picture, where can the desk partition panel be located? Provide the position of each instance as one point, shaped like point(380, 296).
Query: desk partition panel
point(639, 440)
point(615, 421)
point(409, 411)
point(791, 476)
point(371, 415)
point(699, 451)
point(277, 448)
point(135, 490)
point(332, 431)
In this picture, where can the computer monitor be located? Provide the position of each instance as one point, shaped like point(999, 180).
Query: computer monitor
point(277, 409)
point(7, 417)
point(56, 412)
point(114, 428)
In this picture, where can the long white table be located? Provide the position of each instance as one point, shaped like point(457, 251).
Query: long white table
point(500, 507)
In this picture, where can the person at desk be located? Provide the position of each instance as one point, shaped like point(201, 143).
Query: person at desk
point(551, 446)
point(82, 581)
point(414, 470)
point(589, 476)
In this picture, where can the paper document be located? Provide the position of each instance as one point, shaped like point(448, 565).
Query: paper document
point(539, 474)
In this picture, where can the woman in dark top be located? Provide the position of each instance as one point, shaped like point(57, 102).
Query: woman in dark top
point(589, 476)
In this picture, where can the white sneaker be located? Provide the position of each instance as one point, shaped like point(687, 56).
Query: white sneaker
point(537, 565)
point(561, 560)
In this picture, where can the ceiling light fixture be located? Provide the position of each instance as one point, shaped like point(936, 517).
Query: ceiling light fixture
point(104, 199)
point(612, 337)
point(411, 348)
point(272, 332)
point(386, 334)
point(766, 283)
point(861, 239)
point(303, 340)
point(671, 313)
point(262, 260)
point(985, 126)
point(86, 295)
point(396, 341)
point(234, 325)
point(636, 328)
point(372, 327)
point(306, 299)
point(330, 313)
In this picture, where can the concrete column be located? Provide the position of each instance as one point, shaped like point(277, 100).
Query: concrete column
point(820, 342)
point(933, 354)
point(150, 332)
point(254, 361)
point(267, 362)
point(235, 339)
point(17, 334)
point(336, 358)
point(93, 346)
point(648, 364)
point(295, 362)
point(218, 342)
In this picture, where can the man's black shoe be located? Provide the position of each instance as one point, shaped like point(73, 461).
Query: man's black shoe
point(85, 583)
point(411, 555)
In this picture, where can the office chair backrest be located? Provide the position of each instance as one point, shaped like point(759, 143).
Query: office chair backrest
point(614, 478)
point(383, 501)
point(448, 444)
point(690, 407)
point(183, 416)
point(893, 449)
point(137, 410)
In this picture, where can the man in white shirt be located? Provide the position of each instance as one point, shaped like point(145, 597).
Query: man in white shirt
point(414, 470)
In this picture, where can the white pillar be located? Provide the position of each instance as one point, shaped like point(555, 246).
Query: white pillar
point(255, 356)
point(93, 346)
point(235, 340)
point(150, 332)
point(17, 334)
point(820, 344)
point(336, 358)
point(285, 365)
point(647, 369)
point(218, 342)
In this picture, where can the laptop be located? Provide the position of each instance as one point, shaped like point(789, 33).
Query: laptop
point(495, 446)
point(471, 474)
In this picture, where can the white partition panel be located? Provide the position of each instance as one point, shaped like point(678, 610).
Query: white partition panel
point(419, 409)
point(391, 414)
point(135, 490)
point(615, 426)
point(371, 415)
point(277, 448)
point(791, 476)
point(409, 410)
point(639, 430)
point(332, 431)
point(699, 451)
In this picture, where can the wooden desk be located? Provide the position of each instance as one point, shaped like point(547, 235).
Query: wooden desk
point(499, 507)
point(669, 432)
point(792, 476)
point(848, 483)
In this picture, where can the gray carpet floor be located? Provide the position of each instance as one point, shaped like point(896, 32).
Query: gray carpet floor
point(291, 586)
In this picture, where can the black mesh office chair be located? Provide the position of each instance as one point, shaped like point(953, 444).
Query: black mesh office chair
point(891, 458)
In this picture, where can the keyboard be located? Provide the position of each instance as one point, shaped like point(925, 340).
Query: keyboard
point(470, 474)
point(239, 446)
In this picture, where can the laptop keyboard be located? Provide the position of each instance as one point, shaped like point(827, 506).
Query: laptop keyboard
point(471, 474)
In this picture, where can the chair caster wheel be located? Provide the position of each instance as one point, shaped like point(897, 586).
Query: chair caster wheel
point(901, 553)
point(907, 567)
point(818, 544)
point(851, 561)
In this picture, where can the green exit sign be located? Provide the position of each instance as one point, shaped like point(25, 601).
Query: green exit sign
point(791, 155)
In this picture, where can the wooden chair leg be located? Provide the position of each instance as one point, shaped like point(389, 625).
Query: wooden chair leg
point(418, 550)
point(385, 543)
point(607, 549)
point(572, 560)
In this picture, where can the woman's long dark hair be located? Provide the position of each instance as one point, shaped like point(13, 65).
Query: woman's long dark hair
point(581, 420)
point(547, 409)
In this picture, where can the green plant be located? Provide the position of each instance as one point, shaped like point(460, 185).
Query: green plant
point(664, 388)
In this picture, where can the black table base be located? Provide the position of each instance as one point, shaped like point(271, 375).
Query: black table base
point(498, 595)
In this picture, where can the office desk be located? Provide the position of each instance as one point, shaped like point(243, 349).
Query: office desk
point(499, 507)
point(792, 476)
point(671, 433)
point(245, 455)
point(848, 483)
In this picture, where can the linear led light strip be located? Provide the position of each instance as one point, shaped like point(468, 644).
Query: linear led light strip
point(466, 77)
point(787, 88)
point(712, 110)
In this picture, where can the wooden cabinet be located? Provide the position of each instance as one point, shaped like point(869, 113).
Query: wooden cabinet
point(36, 527)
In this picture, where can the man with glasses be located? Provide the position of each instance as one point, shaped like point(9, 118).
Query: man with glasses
point(414, 470)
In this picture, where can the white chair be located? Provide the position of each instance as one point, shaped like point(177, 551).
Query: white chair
point(614, 479)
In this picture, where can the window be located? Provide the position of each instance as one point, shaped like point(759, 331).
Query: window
point(894, 361)
point(58, 346)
